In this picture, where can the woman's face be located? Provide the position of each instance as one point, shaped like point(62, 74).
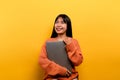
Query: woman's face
point(60, 26)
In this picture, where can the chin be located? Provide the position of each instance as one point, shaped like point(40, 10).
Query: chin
point(59, 32)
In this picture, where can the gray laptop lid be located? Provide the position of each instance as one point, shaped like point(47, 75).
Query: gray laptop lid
point(56, 52)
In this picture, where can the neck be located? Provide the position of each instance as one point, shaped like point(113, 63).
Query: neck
point(61, 37)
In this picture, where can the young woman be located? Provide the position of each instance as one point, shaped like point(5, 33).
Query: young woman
point(62, 31)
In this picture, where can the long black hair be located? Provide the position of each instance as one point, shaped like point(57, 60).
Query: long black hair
point(66, 20)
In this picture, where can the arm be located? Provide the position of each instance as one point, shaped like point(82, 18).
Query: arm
point(74, 52)
point(49, 66)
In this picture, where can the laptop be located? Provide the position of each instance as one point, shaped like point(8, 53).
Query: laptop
point(56, 52)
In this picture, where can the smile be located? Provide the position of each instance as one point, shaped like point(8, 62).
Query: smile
point(58, 29)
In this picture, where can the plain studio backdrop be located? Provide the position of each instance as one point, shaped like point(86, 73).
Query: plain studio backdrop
point(26, 24)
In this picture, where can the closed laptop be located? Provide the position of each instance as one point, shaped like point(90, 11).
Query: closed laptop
point(56, 52)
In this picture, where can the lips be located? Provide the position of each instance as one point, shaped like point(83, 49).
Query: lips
point(59, 29)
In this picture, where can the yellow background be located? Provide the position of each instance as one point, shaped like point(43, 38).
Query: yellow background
point(26, 24)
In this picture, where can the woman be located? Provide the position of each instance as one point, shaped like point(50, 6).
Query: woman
point(62, 31)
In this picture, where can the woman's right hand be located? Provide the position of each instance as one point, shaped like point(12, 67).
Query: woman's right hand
point(68, 73)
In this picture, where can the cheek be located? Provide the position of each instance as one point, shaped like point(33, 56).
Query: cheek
point(65, 27)
point(54, 25)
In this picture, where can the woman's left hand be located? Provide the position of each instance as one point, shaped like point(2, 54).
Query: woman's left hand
point(67, 40)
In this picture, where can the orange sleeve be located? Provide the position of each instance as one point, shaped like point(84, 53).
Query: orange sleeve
point(74, 52)
point(50, 67)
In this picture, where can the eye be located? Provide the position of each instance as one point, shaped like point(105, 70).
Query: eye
point(62, 22)
point(56, 22)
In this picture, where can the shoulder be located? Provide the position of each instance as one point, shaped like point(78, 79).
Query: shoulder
point(73, 39)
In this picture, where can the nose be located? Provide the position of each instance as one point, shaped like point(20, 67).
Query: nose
point(58, 24)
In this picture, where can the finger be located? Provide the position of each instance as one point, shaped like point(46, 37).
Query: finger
point(66, 40)
point(69, 72)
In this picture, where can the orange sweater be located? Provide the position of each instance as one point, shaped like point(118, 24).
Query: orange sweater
point(52, 69)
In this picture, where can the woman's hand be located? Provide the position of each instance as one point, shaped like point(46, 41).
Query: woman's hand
point(67, 40)
point(68, 73)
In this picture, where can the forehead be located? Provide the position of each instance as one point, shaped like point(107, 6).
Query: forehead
point(60, 19)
